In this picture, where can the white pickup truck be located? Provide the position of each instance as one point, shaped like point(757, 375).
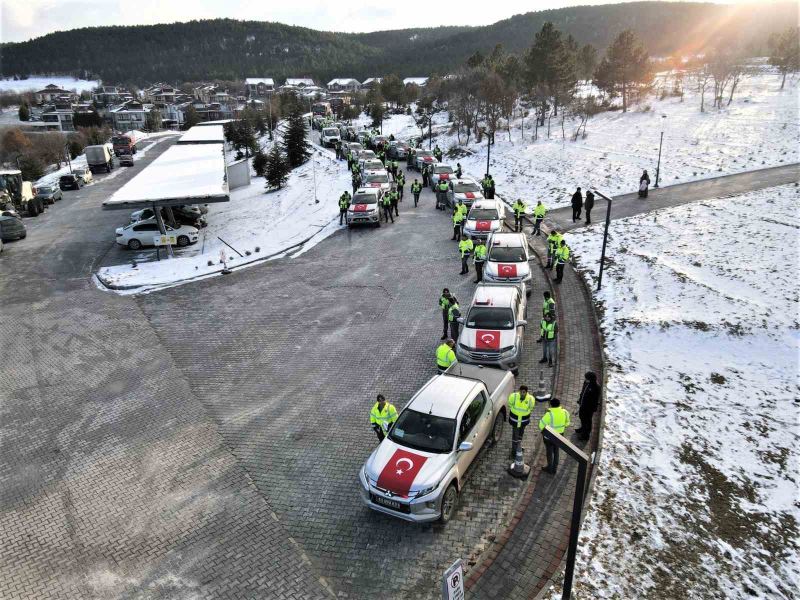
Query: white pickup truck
point(419, 469)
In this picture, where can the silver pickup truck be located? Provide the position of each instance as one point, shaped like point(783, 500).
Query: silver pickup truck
point(419, 469)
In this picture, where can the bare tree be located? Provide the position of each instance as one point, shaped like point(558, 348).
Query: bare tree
point(702, 78)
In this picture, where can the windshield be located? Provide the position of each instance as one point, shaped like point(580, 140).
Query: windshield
point(118, 139)
point(367, 154)
point(507, 254)
point(462, 188)
point(443, 169)
point(365, 199)
point(330, 131)
point(377, 178)
point(424, 432)
point(490, 317)
point(483, 214)
point(44, 189)
point(424, 153)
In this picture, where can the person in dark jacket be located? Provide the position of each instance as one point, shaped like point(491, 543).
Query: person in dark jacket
point(588, 204)
point(644, 184)
point(588, 403)
point(577, 203)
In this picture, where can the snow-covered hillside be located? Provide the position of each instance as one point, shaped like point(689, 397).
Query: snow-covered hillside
point(34, 84)
point(761, 128)
point(698, 481)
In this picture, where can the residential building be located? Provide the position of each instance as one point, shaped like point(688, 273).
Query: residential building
point(129, 115)
point(302, 82)
point(344, 85)
point(161, 94)
point(110, 95)
point(58, 117)
point(371, 83)
point(259, 87)
point(419, 81)
point(52, 92)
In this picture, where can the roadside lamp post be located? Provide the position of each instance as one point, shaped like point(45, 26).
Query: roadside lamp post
point(605, 238)
point(488, 151)
point(430, 129)
point(577, 506)
point(660, 143)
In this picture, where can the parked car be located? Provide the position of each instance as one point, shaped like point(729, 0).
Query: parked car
point(440, 172)
point(465, 189)
point(84, 174)
point(423, 157)
point(483, 218)
point(355, 147)
point(492, 330)
point(507, 260)
point(366, 155)
point(398, 149)
point(377, 179)
point(329, 136)
point(372, 164)
point(142, 233)
point(418, 471)
point(378, 140)
point(12, 228)
point(365, 208)
point(126, 160)
point(70, 182)
point(49, 194)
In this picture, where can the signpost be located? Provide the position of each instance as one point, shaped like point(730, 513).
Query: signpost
point(165, 240)
point(453, 582)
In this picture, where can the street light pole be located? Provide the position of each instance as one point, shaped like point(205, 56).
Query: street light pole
point(430, 130)
point(660, 143)
point(553, 437)
point(488, 151)
point(605, 237)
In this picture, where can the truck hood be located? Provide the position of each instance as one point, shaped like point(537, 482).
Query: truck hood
point(507, 269)
point(404, 471)
point(482, 225)
point(491, 340)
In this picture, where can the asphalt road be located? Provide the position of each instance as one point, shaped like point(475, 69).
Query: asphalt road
point(205, 441)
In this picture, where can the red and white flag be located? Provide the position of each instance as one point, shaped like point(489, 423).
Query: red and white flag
point(487, 340)
point(469, 195)
point(360, 208)
point(507, 270)
point(399, 472)
point(483, 225)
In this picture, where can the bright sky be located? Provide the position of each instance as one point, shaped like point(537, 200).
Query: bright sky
point(24, 19)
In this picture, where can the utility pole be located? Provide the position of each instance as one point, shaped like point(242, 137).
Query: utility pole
point(488, 151)
point(660, 143)
point(605, 238)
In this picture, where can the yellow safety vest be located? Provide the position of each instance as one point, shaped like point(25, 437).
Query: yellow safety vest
point(548, 305)
point(521, 407)
point(548, 330)
point(519, 207)
point(563, 254)
point(384, 417)
point(540, 211)
point(450, 310)
point(445, 356)
point(465, 247)
point(556, 418)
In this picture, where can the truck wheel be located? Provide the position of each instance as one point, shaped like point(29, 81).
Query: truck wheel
point(183, 241)
point(498, 427)
point(449, 502)
point(134, 244)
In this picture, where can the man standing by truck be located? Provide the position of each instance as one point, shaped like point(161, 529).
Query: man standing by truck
point(520, 407)
point(382, 417)
point(558, 420)
point(445, 356)
point(445, 302)
point(465, 247)
point(344, 202)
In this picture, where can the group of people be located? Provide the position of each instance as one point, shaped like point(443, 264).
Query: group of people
point(578, 203)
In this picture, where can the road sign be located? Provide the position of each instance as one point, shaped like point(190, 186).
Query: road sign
point(165, 240)
point(453, 582)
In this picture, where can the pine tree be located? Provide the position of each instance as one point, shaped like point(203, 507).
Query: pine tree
point(190, 117)
point(276, 169)
point(784, 52)
point(260, 163)
point(24, 112)
point(295, 143)
point(625, 67)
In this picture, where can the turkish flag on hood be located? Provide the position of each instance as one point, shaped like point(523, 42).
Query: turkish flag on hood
point(483, 225)
point(470, 195)
point(400, 470)
point(507, 270)
point(487, 340)
point(360, 207)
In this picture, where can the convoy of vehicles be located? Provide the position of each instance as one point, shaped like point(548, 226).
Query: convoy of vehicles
point(484, 217)
point(507, 260)
point(492, 330)
point(99, 158)
point(465, 189)
point(365, 207)
point(417, 472)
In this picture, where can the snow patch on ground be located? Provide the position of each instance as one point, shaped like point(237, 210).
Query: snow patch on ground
point(761, 128)
point(34, 84)
point(274, 222)
point(697, 484)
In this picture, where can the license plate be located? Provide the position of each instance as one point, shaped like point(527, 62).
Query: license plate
point(394, 504)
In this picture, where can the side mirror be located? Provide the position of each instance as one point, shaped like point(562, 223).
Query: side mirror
point(522, 323)
point(465, 446)
point(460, 320)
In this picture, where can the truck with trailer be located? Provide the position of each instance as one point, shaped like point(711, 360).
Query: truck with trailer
point(125, 143)
point(99, 158)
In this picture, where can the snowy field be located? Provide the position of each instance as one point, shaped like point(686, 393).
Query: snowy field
point(34, 84)
point(697, 488)
point(273, 222)
point(761, 128)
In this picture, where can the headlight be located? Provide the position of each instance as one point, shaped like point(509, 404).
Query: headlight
point(507, 350)
point(427, 491)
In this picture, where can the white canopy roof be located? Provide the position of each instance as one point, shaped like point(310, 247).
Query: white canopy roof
point(183, 174)
point(257, 80)
point(208, 134)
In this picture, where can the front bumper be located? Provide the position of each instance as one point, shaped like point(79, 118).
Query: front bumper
point(527, 280)
point(420, 510)
point(509, 361)
point(363, 218)
point(474, 233)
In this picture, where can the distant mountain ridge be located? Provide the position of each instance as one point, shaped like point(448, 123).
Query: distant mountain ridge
point(227, 49)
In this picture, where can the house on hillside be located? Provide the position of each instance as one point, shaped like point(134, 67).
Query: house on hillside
point(110, 95)
point(52, 92)
point(58, 117)
point(302, 82)
point(371, 83)
point(344, 85)
point(129, 115)
point(418, 81)
point(259, 87)
point(161, 94)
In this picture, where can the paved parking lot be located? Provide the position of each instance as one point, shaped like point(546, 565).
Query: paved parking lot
point(205, 441)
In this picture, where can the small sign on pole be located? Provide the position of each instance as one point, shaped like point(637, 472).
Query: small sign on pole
point(453, 582)
point(165, 240)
